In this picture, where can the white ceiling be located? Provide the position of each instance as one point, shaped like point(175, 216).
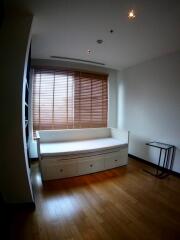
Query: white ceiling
point(69, 28)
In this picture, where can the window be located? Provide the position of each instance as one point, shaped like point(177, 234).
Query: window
point(69, 99)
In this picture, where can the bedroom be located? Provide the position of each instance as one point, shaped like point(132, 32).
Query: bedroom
point(141, 57)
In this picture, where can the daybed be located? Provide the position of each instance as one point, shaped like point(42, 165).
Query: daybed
point(73, 152)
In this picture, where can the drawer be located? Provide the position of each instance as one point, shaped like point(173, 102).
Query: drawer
point(112, 163)
point(46, 161)
point(98, 164)
point(116, 159)
point(59, 171)
point(56, 168)
point(90, 165)
point(124, 154)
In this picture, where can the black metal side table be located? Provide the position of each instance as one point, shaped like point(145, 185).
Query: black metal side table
point(167, 164)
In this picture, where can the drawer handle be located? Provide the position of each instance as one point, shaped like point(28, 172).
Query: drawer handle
point(91, 165)
point(115, 160)
point(61, 170)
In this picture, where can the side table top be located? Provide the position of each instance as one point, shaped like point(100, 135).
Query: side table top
point(160, 145)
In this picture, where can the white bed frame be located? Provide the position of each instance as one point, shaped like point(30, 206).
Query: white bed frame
point(93, 154)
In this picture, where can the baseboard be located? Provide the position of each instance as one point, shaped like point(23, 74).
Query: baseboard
point(152, 164)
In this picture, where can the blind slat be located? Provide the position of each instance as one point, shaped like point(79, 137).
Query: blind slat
point(67, 99)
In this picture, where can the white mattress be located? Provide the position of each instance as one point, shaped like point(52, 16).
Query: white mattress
point(76, 147)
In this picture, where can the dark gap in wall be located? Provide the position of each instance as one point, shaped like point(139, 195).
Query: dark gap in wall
point(1, 12)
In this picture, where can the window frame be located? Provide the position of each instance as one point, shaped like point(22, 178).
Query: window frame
point(66, 70)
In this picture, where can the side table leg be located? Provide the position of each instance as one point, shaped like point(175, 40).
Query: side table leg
point(167, 162)
point(165, 157)
point(172, 158)
point(157, 170)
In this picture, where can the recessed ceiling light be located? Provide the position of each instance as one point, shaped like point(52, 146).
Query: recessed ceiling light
point(131, 14)
point(99, 41)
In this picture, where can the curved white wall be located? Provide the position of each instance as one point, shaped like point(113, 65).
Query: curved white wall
point(149, 105)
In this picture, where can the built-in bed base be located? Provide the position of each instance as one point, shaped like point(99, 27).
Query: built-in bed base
point(69, 162)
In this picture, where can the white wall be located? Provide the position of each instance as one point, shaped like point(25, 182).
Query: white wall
point(15, 184)
point(120, 99)
point(149, 105)
point(112, 113)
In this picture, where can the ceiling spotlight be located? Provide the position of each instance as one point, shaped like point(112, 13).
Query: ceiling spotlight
point(131, 14)
point(99, 41)
point(88, 51)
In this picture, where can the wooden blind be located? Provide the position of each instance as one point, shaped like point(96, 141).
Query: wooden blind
point(90, 101)
point(67, 99)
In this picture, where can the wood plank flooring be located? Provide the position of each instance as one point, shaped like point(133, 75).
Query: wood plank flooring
point(123, 203)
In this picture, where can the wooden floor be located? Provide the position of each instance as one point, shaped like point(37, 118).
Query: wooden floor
point(123, 203)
